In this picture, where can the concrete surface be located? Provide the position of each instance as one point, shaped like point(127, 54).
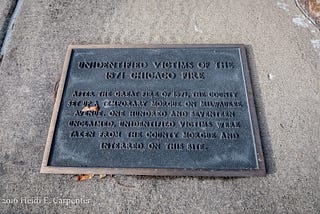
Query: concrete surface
point(284, 62)
point(6, 8)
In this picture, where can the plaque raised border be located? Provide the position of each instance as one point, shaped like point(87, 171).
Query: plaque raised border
point(259, 171)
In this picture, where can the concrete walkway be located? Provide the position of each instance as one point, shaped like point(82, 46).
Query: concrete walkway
point(284, 58)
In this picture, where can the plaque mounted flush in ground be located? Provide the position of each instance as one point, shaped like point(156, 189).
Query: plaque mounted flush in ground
point(155, 110)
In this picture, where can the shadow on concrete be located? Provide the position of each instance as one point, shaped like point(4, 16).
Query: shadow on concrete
point(263, 126)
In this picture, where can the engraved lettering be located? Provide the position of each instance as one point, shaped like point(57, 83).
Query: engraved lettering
point(199, 135)
point(121, 146)
point(114, 75)
point(222, 94)
point(232, 124)
point(196, 124)
point(221, 104)
point(180, 94)
point(116, 113)
point(154, 146)
point(135, 135)
point(178, 114)
point(111, 65)
point(145, 113)
point(73, 103)
point(192, 75)
point(146, 124)
point(124, 103)
point(191, 104)
point(175, 65)
point(158, 103)
point(156, 94)
point(90, 123)
point(82, 134)
point(110, 134)
point(196, 147)
point(161, 135)
point(229, 135)
point(224, 65)
point(199, 94)
point(89, 113)
point(210, 114)
point(105, 93)
point(127, 93)
point(83, 94)
point(174, 146)
point(153, 75)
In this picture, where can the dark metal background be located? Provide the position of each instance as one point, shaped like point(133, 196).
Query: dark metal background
point(239, 157)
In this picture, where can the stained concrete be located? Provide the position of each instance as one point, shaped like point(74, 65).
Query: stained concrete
point(284, 64)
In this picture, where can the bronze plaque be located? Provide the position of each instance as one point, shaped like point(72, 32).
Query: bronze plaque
point(155, 110)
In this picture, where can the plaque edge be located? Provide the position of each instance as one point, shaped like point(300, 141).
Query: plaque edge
point(56, 108)
point(150, 46)
point(252, 109)
point(153, 171)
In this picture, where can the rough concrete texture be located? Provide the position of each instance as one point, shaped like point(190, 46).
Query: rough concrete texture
point(283, 49)
point(6, 8)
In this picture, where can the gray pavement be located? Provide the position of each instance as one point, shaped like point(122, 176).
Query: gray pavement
point(284, 52)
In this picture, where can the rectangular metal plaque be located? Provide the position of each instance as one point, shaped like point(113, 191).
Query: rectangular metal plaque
point(155, 110)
